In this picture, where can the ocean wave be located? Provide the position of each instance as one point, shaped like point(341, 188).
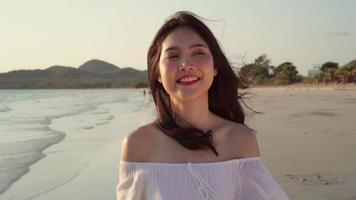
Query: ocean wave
point(101, 112)
point(5, 109)
point(111, 117)
point(17, 157)
point(102, 123)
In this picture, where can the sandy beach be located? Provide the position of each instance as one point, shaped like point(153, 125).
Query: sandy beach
point(307, 139)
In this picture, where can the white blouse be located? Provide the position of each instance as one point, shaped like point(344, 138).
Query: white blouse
point(237, 179)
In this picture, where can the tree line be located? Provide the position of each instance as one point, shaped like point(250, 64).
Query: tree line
point(261, 72)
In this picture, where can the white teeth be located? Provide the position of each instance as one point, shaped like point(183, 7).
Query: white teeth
point(188, 79)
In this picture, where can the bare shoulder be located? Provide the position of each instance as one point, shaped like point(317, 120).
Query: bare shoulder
point(243, 140)
point(136, 145)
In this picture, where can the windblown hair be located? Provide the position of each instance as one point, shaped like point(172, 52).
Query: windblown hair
point(223, 97)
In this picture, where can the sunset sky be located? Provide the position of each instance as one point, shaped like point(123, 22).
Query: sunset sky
point(37, 34)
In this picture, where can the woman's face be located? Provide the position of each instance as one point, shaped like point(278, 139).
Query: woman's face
point(186, 65)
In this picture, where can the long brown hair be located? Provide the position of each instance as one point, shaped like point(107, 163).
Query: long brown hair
point(222, 96)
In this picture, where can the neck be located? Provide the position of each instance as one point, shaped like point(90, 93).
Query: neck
point(196, 112)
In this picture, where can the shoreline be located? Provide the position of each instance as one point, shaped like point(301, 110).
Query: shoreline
point(81, 160)
point(295, 86)
point(56, 137)
point(305, 87)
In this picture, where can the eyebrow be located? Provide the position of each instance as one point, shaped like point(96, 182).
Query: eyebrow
point(191, 46)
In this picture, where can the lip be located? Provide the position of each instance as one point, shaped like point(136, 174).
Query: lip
point(188, 75)
point(189, 83)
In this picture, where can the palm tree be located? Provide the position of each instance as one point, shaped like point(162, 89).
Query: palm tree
point(257, 72)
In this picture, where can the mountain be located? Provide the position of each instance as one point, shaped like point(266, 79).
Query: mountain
point(98, 67)
point(92, 74)
point(127, 74)
point(68, 72)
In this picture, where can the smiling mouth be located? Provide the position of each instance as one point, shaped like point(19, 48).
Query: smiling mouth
point(186, 81)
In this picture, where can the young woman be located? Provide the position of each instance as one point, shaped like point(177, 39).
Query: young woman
point(198, 147)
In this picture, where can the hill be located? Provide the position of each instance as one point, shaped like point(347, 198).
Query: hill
point(91, 74)
point(98, 67)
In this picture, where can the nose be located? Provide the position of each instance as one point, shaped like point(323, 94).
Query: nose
point(186, 65)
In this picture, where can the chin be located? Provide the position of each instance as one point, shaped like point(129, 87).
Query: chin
point(186, 96)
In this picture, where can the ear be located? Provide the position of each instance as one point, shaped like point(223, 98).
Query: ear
point(159, 79)
point(215, 72)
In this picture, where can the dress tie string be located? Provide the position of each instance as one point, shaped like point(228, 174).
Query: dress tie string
point(204, 188)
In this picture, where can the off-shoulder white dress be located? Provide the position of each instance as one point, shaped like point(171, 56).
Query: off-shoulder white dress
point(237, 179)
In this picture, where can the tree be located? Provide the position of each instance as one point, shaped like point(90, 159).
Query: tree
point(352, 66)
point(286, 73)
point(346, 73)
point(142, 85)
point(328, 70)
point(329, 65)
point(262, 60)
point(257, 72)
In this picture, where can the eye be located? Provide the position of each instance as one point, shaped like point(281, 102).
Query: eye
point(172, 56)
point(199, 53)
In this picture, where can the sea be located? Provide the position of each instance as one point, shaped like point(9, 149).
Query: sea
point(27, 118)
